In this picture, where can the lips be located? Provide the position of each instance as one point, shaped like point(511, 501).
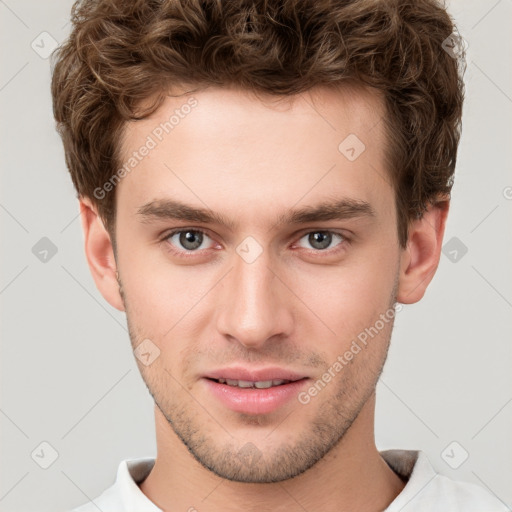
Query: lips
point(254, 392)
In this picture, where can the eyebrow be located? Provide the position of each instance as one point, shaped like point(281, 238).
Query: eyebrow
point(339, 209)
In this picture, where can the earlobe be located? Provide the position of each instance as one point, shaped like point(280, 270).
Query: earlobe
point(100, 254)
point(420, 259)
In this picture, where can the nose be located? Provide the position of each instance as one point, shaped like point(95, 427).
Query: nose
point(256, 305)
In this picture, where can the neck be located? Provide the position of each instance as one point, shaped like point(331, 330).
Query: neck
point(352, 476)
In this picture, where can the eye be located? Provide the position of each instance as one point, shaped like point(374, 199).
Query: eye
point(321, 240)
point(188, 240)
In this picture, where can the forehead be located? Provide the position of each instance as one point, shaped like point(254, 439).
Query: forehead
point(232, 151)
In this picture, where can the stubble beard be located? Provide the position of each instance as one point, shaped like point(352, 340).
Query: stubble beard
point(242, 460)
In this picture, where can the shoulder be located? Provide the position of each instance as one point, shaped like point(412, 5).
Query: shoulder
point(125, 494)
point(108, 500)
point(428, 491)
point(454, 495)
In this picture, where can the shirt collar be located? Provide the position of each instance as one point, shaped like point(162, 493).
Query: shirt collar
point(129, 474)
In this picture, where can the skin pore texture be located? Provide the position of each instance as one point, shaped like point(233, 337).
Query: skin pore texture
point(298, 305)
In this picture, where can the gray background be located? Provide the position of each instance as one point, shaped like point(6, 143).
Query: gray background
point(67, 372)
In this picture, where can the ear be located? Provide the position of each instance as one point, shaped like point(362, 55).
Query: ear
point(420, 259)
point(100, 254)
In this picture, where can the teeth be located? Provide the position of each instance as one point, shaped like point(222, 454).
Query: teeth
point(262, 384)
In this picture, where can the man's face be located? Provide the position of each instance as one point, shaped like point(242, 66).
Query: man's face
point(255, 294)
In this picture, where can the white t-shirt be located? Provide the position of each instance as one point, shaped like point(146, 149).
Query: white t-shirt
point(425, 490)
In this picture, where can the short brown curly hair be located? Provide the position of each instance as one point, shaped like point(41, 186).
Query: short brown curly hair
point(122, 53)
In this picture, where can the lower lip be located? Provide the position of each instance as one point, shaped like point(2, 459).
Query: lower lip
point(254, 400)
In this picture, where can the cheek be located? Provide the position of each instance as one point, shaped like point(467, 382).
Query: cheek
point(350, 296)
point(164, 300)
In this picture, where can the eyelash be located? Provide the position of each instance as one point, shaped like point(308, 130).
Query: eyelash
point(190, 254)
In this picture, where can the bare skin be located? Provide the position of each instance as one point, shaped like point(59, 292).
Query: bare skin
point(297, 306)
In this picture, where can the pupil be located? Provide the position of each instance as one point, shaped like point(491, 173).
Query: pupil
point(191, 239)
point(320, 239)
